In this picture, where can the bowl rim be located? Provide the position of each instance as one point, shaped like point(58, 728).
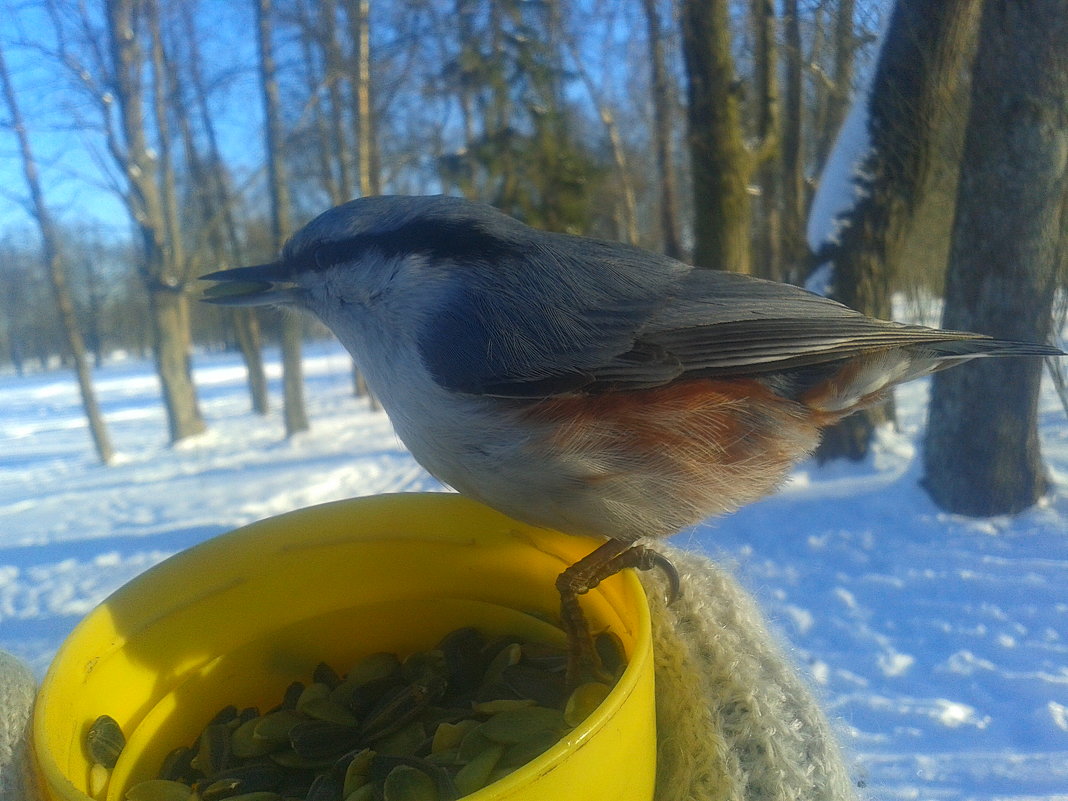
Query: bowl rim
point(419, 504)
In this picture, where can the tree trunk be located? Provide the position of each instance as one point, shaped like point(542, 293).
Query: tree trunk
point(162, 275)
point(660, 87)
point(339, 138)
point(94, 334)
point(210, 192)
point(926, 48)
point(359, 16)
point(767, 259)
point(219, 220)
point(57, 273)
point(296, 418)
point(719, 161)
point(982, 453)
point(721, 164)
point(170, 329)
point(794, 246)
point(174, 247)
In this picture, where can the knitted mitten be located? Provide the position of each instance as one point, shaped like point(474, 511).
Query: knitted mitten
point(17, 690)
point(734, 719)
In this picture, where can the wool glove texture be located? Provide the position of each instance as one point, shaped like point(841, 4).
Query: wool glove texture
point(735, 720)
point(17, 690)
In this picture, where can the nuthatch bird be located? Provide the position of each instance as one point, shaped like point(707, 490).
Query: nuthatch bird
point(580, 385)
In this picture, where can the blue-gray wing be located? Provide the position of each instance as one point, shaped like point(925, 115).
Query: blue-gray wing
point(576, 315)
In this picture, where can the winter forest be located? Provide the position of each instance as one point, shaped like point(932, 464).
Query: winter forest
point(700, 129)
point(907, 159)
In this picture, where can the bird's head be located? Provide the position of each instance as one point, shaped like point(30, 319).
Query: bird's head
point(369, 251)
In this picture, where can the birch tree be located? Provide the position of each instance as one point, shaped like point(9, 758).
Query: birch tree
point(57, 270)
point(152, 208)
point(296, 418)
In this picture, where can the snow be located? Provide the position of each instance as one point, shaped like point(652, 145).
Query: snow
point(939, 643)
point(838, 189)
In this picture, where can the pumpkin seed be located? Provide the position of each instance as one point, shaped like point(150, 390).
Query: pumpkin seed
point(405, 783)
point(521, 753)
point(583, 700)
point(316, 691)
point(364, 793)
point(517, 725)
point(105, 741)
point(344, 695)
point(501, 705)
point(275, 726)
point(476, 773)
point(473, 744)
point(357, 772)
point(510, 654)
point(449, 735)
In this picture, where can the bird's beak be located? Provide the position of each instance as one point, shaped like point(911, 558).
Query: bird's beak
point(262, 285)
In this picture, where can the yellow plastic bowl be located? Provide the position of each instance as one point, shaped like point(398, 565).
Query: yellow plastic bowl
point(235, 619)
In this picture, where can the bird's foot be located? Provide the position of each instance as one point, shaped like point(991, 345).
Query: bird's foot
point(583, 662)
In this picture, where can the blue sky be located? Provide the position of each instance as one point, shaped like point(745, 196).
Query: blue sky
point(76, 170)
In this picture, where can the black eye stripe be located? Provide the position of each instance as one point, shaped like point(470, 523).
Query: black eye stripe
point(452, 240)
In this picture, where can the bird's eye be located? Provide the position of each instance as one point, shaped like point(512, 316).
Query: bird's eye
point(330, 254)
point(320, 258)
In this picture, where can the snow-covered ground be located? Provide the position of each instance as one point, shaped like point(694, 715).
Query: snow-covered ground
point(939, 643)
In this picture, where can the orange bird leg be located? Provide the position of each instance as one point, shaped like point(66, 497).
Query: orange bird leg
point(583, 664)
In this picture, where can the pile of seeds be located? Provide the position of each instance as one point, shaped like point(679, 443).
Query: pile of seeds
point(436, 726)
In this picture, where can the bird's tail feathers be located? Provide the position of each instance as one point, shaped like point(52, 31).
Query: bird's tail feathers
point(865, 380)
point(976, 347)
